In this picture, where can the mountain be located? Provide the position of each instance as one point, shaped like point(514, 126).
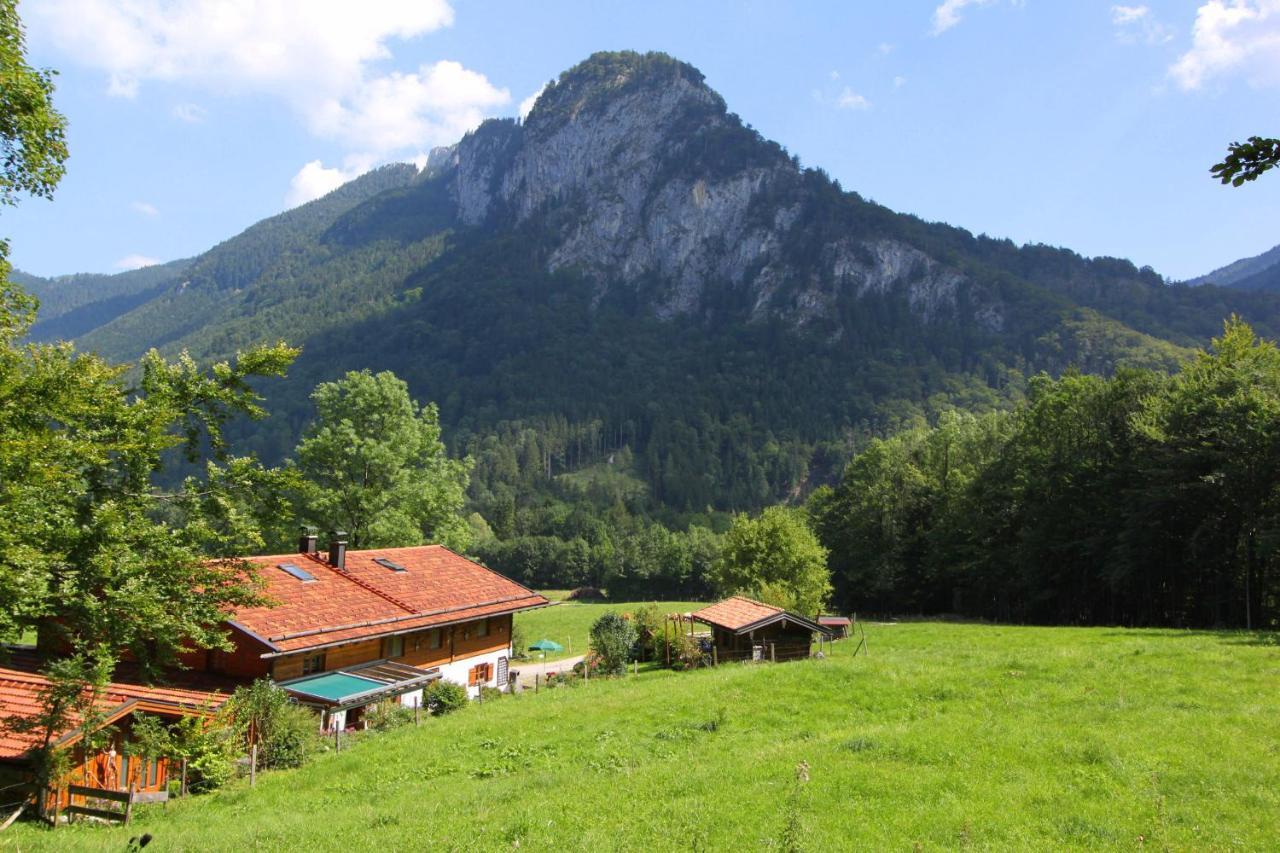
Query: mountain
point(634, 270)
point(1261, 272)
point(72, 305)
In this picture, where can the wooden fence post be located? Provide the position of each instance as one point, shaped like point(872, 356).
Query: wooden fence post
point(537, 676)
point(666, 644)
point(337, 738)
point(715, 656)
point(182, 790)
point(773, 653)
point(417, 704)
point(253, 765)
point(128, 806)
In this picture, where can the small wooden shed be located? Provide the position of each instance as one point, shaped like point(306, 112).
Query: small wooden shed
point(839, 626)
point(743, 629)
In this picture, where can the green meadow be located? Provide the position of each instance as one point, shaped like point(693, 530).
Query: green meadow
point(569, 622)
point(944, 736)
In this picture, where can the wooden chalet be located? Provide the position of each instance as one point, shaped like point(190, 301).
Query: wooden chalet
point(347, 629)
point(111, 768)
point(743, 629)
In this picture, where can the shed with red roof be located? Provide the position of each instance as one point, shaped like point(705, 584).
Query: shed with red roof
point(745, 629)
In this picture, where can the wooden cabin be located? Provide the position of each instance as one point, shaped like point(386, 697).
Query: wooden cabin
point(743, 629)
point(109, 767)
point(347, 629)
point(838, 626)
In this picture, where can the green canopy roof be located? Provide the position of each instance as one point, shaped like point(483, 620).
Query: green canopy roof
point(334, 686)
point(546, 646)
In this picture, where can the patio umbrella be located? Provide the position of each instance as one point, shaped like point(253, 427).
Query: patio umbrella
point(546, 646)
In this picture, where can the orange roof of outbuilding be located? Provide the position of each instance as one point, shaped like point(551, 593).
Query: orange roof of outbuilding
point(20, 699)
point(736, 612)
point(434, 586)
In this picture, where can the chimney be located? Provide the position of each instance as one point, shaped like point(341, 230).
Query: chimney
point(338, 549)
point(307, 541)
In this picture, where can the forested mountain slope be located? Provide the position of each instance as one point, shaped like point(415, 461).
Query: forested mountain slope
point(633, 266)
point(1261, 272)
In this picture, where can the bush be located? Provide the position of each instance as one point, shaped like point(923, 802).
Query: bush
point(284, 731)
point(649, 622)
point(210, 745)
point(586, 593)
point(519, 645)
point(444, 697)
point(612, 637)
point(489, 694)
point(388, 715)
point(293, 737)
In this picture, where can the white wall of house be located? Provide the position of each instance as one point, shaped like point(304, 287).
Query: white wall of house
point(458, 671)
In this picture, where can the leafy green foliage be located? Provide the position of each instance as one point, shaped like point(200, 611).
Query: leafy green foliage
point(1247, 161)
point(374, 466)
point(285, 732)
point(612, 638)
point(777, 559)
point(33, 146)
point(1139, 499)
point(444, 697)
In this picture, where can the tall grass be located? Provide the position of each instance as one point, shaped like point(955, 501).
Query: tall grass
point(946, 736)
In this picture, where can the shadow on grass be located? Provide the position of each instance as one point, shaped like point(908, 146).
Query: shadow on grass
point(1230, 636)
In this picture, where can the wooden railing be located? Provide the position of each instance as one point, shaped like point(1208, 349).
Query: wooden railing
point(102, 797)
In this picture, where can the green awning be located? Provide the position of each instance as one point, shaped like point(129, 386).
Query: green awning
point(334, 686)
point(359, 685)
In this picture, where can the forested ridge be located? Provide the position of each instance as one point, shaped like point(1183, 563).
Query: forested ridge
point(621, 396)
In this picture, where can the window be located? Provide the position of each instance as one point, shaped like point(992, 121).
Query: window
point(393, 647)
point(482, 628)
point(435, 639)
point(313, 663)
point(480, 674)
point(389, 564)
point(299, 573)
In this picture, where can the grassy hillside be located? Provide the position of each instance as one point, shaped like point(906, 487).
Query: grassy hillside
point(945, 736)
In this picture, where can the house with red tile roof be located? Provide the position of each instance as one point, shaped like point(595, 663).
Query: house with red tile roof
point(110, 766)
point(745, 629)
point(346, 629)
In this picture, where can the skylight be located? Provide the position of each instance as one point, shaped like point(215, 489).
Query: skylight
point(389, 564)
point(297, 572)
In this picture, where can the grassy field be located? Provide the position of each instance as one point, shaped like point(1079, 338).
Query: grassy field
point(946, 736)
point(569, 622)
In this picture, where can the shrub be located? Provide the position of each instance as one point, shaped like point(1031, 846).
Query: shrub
point(488, 694)
point(612, 637)
point(519, 646)
point(210, 745)
point(444, 697)
point(388, 715)
point(586, 593)
point(294, 736)
point(648, 621)
point(284, 731)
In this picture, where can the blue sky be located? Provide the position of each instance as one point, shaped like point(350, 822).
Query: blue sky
point(1082, 124)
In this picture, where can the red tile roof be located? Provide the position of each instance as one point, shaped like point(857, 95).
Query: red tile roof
point(736, 612)
point(20, 698)
point(366, 599)
point(834, 620)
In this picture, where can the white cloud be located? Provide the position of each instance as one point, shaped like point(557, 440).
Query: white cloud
point(1232, 37)
point(947, 14)
point(851, 100)
point(190, 113)
point(315, 55)
point(1136, 24)
point(315, 180)
point(526, 106)
point(135, 262)
point(899, 81)
point(834, 75)
point(1121, 15)
point(145, 208)
point(884, 48)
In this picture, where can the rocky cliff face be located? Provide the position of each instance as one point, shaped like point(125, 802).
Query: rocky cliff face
point(647, 177)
